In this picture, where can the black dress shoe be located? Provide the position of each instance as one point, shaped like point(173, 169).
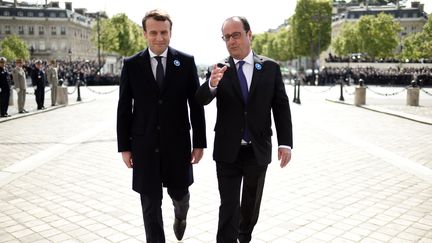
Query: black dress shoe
point(179, 228)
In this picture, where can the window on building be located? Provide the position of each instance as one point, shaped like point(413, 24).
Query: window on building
point(6, 13)
point(52, 14)
point(30, 14)
point(41, 30)
point(7, 30)
point(62, 15)
point(41, 14)
point(20, 14)
point(42, 45)
point(62, 30)
point(20, 30)
point(31, 30)
point(53, 47)
point(53, 30)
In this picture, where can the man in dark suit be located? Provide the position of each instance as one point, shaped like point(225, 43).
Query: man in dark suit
point(153, 124)
point(4, 88)
point(38, 82)
point(248, 87)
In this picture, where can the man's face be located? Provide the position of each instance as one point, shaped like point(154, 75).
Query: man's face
point(237, 40)
point(158, 35)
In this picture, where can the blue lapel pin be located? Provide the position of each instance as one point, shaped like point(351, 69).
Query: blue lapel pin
point(176, 63)
point(258, 66)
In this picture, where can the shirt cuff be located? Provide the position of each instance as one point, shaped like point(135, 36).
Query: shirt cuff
point(285, 146)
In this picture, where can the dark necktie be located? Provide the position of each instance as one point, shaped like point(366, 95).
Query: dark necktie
point(159, 71)
point(243, 81)
point(245, 93)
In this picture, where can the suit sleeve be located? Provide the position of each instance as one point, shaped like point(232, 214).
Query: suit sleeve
point(196, 112)
point(281, 112)
point(203, 95)
point(124, 112)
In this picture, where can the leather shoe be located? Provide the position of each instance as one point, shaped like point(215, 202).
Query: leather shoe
point(179, 228)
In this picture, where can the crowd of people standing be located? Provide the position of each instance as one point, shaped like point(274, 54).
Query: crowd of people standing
point(41, 73)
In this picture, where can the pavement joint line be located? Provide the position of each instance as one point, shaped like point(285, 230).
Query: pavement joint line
point(405, 164)
point(410, 117)
point(19, 168)
point(51, 108)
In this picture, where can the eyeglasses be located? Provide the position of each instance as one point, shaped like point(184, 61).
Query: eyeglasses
point(235, 36)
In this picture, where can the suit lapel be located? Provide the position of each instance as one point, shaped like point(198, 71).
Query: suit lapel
point(232, 75)
point(146, 65)
point(257, 74)
point(171, 64)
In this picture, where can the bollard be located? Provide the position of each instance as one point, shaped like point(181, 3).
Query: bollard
point(360, 94)
point(62, 95)
point(79, 92)
point(413, 93)
point(295, 91)
point(341, 98)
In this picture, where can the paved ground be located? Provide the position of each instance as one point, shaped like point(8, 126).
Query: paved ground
point(356, 176)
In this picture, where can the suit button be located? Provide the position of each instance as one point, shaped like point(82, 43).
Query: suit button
point(158, 127)
point(241, 130)
point(245, 113)
point(160, 102)
point(157, 150)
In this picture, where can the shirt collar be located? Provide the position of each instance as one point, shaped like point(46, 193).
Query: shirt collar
point(248, 59)
point(164, 54)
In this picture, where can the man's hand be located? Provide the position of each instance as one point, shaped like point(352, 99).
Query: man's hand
point(284, 155)
point(127, 158)
point(197, 154)
point(216, 75)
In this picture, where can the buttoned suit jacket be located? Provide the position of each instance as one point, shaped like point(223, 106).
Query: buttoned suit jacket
point(154, 123)
point(266, 95)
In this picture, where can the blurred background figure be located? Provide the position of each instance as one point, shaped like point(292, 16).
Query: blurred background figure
point(20, 84)
point(52, 76)
point(4, 88)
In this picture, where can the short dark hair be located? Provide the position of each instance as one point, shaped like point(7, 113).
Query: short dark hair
point(242, 19)
point(158, 15)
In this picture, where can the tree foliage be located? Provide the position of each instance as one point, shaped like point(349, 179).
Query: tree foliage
point(119, 34)
point(419, 45)
point(12, 47)
point(375, 36)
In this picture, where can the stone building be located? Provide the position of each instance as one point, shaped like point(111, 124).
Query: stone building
point(51, 32)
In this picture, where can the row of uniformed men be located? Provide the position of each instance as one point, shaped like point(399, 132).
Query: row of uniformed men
point(38, 77)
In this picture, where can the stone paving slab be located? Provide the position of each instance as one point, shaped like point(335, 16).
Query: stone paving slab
point(337, 188)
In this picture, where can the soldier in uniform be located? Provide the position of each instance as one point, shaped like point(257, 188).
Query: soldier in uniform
point(52, 76)
point(38, 81)
point(4, 88)
point(19, 78)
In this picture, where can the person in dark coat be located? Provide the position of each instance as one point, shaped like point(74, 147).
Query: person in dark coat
point(38, 81)
point(248, 88)
point(4, 88)
point(155, 114)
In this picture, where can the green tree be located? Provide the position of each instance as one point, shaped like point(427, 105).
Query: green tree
point(121, 35)
point(312, 27)
point(13, 47)
point(378, 35)
point(347, 41)
point(419, 45)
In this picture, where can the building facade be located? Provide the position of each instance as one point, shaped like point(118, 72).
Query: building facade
point(50, 32)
